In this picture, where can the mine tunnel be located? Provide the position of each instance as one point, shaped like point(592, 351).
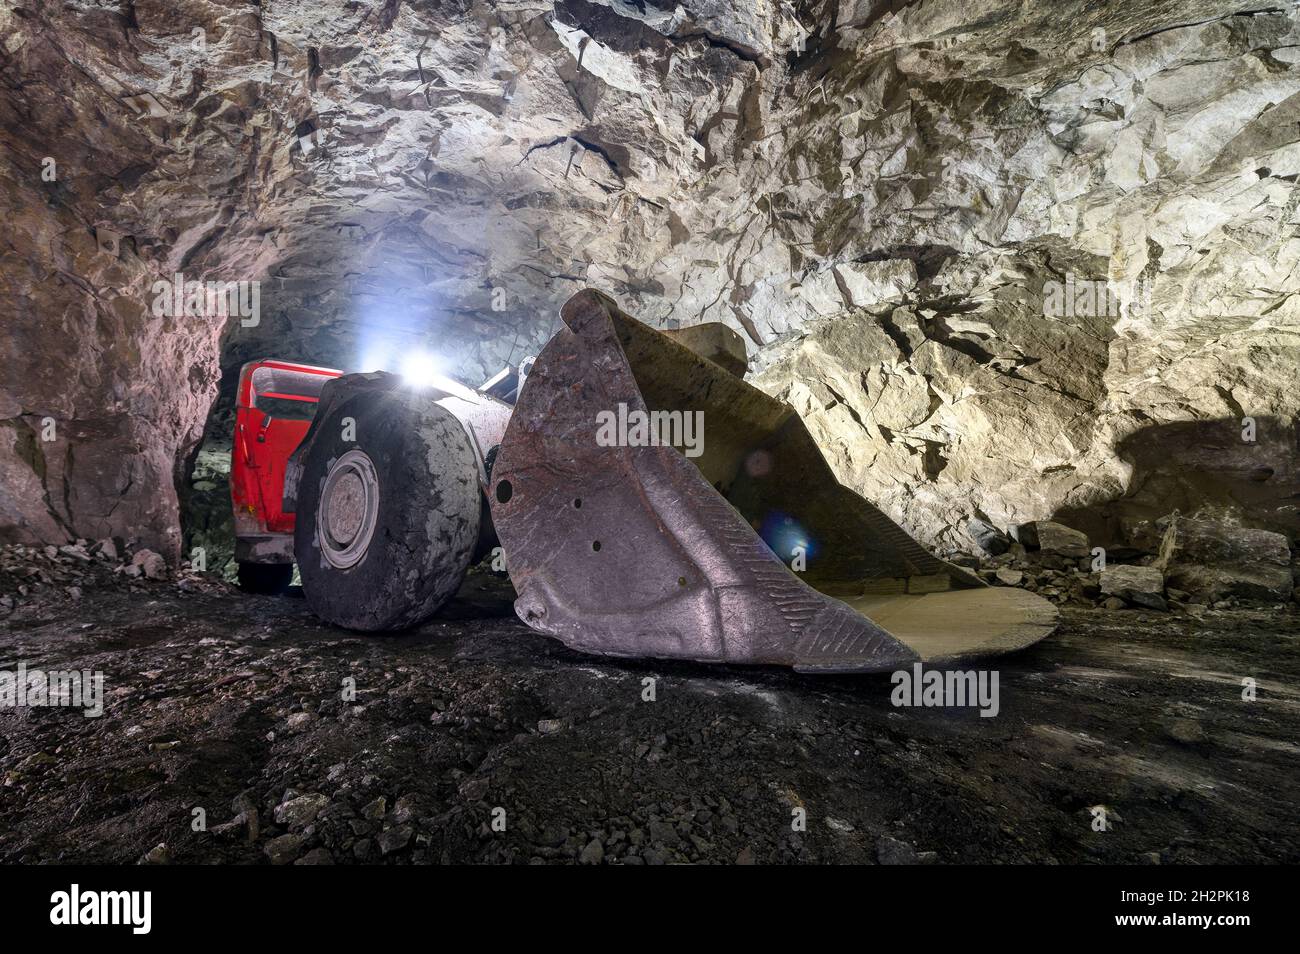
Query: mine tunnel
point(633, 432)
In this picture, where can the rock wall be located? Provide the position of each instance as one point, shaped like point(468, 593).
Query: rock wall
point(1159, 164)
point(991, 250)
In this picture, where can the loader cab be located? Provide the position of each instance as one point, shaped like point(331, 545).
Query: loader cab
point(274, 405)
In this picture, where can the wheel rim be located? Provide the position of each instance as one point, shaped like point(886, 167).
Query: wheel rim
point(348, 510)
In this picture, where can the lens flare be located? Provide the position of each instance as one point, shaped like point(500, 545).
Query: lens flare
point(788, 538)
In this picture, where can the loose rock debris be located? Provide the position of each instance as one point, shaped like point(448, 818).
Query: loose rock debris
point(240, 729)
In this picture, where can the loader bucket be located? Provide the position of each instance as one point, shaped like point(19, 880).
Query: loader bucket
point(620, 545)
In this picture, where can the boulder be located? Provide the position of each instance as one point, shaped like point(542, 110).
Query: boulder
point(990, 539)
point(1054, 538)
point(1216, 559)
point(1139, 585)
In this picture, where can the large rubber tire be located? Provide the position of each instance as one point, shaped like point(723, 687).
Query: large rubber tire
point(423, 525)
point(269, 579)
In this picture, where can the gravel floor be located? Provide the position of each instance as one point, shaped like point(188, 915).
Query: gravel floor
point(235, 705)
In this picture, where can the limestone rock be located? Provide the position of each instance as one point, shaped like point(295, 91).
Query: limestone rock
point(1140, 585)
point(284, 849)
point(1218, 559)
point(1059, 539)
point(1009, 577)
point(300, 811)
point(872, 284)
point(989, 538)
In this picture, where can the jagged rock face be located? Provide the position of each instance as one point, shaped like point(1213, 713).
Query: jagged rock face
point(878, 195)
point(1139, 167)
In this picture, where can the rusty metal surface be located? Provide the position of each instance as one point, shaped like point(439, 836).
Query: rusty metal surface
point(642, 551)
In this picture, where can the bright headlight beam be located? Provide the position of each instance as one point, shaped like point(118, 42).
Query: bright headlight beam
point(421, 369)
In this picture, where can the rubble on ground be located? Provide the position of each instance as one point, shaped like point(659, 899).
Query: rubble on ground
point(73, 571)
point(1179, 564)
point(1200, 564)
point(475, 740)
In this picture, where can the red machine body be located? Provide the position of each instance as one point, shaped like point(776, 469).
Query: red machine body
point(274, 405)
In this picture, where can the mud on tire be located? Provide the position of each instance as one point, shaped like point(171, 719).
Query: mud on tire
point(390, 562)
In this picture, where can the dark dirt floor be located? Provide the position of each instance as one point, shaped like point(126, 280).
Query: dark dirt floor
point(232, 704)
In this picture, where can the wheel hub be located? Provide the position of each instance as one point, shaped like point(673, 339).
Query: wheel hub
point(348, 510)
